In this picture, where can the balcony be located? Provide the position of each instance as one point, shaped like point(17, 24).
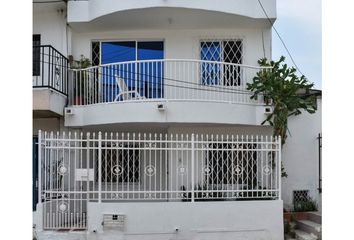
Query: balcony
point(163, 91)
point(49, 81)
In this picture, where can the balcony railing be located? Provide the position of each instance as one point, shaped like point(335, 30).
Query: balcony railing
point(76, 168)
point(50, 69)
point(166, 79)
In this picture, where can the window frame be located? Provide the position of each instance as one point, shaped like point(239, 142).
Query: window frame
point(222, 79)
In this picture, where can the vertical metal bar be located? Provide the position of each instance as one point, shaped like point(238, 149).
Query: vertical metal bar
point(192, 167)
point(99, 166)
point(279, 167)
point(319, 163)
point(39, 166)
point(50, 79)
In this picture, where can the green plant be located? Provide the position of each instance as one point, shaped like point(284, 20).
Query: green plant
point(286, 227)
point(82, 82)
point(83, 63)
point(287, 93)
point(306, 205)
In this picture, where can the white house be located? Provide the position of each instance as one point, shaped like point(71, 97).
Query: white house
point(159, 138)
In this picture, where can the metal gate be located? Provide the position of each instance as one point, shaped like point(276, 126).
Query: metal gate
point(65, 179)
point(76, 168)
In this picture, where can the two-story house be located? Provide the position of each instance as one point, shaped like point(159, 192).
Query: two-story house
point(158, 138)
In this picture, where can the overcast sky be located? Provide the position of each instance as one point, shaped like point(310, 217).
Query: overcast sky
point(299, 24)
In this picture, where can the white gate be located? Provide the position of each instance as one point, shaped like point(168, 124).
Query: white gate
point(76, 168)
point(66, 174)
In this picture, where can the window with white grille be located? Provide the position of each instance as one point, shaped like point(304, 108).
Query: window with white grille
point(228, 166)
point(226, 50)
point(300, 196)
point(120, 164)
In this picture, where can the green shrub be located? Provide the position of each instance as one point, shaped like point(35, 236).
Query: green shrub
point(306, 205)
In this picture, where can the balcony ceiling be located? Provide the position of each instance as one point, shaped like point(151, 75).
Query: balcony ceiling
point(165, 17)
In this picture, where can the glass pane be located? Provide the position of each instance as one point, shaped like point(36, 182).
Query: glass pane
point(117, 52)
point(150, 77)
point(210, 72)
point(232, 52)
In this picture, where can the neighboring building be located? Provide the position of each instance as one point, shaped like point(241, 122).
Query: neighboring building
point(164, 139)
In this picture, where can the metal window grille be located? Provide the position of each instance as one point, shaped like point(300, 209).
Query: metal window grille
point(226, 50)
point(300, 196)
point(224, 162)
point(120, 164)
point(95, 53)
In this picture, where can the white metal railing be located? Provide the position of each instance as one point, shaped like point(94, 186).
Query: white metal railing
point(76, 168)
point(165, 79)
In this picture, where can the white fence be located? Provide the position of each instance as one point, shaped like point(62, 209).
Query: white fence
point(165, 79)
point(76, 168)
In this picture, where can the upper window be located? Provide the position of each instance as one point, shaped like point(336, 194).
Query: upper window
point(36, 42)
point(146, 78)
point(228, 51)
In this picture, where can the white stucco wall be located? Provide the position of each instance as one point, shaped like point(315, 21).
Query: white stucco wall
point(46, 124)
point(300, 156)
point(200, 220)
point(48, 99)
point(182, 44)
point(175, 112)
point(85, 11)
point(50, 22)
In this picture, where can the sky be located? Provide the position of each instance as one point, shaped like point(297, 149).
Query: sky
point(299, 24)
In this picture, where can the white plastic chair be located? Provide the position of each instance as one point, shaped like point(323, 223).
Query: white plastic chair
point(124, 91)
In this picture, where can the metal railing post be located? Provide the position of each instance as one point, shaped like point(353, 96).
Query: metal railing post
point(279, 167)
point(39, 166)
point(99, 167)
point(192, 169)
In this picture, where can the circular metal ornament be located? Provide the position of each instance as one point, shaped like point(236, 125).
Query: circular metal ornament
point(62, 170)
point(117, 170)
point(267, 170)
point(150, 170)
point(238, 170)
point(63, 207)
point(207, 170)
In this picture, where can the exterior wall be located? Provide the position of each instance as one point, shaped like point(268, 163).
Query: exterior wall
point(47, 124)
point(85, 11)
point(47, 99)
point(183, 44)
point(50, 22)
point(201, 220)
point(300, 156)
point(175, 112)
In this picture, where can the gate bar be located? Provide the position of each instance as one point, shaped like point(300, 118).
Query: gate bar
point(39, 166)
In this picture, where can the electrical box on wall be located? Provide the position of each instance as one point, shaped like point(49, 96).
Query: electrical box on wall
point(268, 110)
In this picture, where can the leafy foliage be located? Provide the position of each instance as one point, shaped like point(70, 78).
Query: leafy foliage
point(84, 62)
point(306, 205)
point(287, 93)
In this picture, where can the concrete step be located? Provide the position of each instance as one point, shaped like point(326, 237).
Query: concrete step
point(301, 235)
point(309, 227)
point(315, 217)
